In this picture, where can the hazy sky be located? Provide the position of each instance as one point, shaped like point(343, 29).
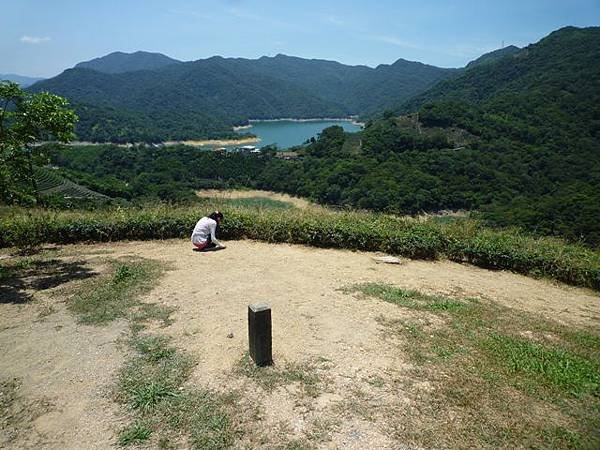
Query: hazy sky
point(44, 37)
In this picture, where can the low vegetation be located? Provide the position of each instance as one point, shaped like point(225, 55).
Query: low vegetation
point(103, 300)
point(270, 377)
point(51, 184)
point(508, 379)
point(462, 240)
point(151, 384)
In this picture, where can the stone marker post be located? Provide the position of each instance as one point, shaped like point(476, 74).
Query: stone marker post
point(259, 333)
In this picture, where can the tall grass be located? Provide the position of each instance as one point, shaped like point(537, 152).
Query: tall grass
point(462, 241)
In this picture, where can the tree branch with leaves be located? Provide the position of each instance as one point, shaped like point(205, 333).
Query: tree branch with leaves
point(26, 119)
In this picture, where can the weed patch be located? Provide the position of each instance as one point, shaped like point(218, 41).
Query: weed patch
point(408, 298)
point(558, 367)
point(134, 434)
point(111, 297)
point(508, 378)
point(270, 377)
point(152, 386)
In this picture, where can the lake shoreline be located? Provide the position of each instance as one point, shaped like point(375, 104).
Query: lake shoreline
point(229, 142)
point(189, 142)
point(214, 142)
point(313, 119)
point(286, 133)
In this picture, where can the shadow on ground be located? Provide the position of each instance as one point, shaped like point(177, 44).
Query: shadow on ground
point(17, 281)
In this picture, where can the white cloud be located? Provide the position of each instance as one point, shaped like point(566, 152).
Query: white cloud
point(393, 40)
point(192, 14)
point(334, 20)
point(34, 40)
point(240, 14)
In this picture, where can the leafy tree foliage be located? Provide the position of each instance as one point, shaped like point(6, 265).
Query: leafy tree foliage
point(24, 119)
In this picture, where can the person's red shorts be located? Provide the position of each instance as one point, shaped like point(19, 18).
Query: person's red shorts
point(201, 246)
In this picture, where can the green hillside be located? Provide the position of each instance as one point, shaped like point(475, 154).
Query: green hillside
point(551, 85)
point(515, 141)
point(49, 184)
point(204, 98)
point(356, 89)
point(539, 110)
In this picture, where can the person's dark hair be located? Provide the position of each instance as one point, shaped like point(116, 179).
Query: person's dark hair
point(216, 215)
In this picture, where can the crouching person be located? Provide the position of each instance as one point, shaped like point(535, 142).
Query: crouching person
point(204, 235)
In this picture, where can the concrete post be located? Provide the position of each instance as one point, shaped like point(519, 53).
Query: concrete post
point(259, 334)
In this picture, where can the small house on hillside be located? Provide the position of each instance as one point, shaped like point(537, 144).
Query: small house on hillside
point(247, 149)
point(287, 155)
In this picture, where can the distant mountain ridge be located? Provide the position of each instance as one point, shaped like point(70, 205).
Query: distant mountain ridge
point(119, 62)
point(145, 96)
point(136, 96)
point(22, 80)
point(493, 56)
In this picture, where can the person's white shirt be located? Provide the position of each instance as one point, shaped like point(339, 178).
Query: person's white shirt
point(204, 228)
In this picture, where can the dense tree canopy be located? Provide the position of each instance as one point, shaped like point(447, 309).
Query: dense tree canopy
point(171, 100)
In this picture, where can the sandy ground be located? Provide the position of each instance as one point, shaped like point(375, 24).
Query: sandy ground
point(64, 372)
point(193, 143)
point(252, 193)
point(215, 142)
point(341, 336)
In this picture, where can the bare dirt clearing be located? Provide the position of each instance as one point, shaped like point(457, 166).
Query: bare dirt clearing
point(58, 373)
point(339, 375)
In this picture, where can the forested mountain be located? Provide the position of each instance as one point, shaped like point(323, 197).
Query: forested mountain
point(202, 101)
point(138, 105)
point(23, 81)
point(119, 62)
point(355, 89)
point(516, 140)
point(560, 65)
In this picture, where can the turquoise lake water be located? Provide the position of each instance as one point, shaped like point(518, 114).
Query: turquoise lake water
point(287, 133)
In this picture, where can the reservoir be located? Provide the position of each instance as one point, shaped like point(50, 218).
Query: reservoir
point(288, 133)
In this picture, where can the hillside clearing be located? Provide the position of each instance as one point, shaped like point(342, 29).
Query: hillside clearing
point(253, 193)
point(343, 376)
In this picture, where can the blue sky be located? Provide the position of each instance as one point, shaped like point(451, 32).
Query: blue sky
point(44, 37)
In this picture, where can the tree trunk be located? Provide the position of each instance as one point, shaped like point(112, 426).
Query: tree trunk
point(32, 179)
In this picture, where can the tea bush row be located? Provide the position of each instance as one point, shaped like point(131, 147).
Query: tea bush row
point(462, 241)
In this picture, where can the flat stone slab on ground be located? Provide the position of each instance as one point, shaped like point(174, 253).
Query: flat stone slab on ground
point(387, 259)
